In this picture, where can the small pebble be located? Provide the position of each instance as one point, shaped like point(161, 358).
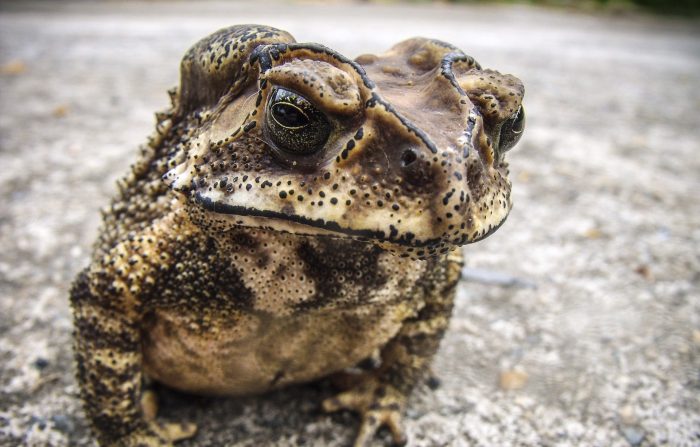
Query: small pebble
point(60, 111)
point(633, 434)
point(496, 278)
point(41, 363)
point(433, 382)
point(643, 271)
point(593, 233)
point(627, 415)
point(513, 379)
point(63, 423)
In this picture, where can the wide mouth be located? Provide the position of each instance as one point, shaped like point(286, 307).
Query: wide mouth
point(294, 223)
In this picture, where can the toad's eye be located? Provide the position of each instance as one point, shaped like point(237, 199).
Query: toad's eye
point(512, 130)
point(294, 125)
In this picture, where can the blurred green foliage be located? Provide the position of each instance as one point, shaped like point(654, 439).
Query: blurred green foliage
point(674, 7)
point(671, 6)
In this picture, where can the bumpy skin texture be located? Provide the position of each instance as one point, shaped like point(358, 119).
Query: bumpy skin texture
point(248, 250)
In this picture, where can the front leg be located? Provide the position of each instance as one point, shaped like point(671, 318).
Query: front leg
point(380, 395)
point(109, 300)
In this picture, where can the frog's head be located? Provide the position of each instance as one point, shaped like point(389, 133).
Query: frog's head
point(405, 150)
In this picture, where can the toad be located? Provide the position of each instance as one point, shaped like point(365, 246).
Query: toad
point(295, 214)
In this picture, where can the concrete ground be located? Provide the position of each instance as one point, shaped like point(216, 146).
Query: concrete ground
point(578, 323)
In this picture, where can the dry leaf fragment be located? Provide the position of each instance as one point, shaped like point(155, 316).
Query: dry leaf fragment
point(14, 67)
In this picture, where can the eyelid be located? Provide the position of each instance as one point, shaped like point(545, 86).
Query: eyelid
point(287, 95)
point(334, 92)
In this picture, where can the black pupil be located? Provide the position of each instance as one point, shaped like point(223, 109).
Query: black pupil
point(289, 115)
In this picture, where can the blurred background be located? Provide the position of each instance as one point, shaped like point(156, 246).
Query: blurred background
point(680, 7)
point(577, 323)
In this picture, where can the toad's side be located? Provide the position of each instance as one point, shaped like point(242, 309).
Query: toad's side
point(294, 215)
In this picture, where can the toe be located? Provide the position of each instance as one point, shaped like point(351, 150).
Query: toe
point(393, 421)
point(368, 428)
point(349, 400)
point(177, 432)
point(373, 420)
point(149, 404)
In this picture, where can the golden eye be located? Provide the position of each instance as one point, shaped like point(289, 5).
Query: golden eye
point(294, 124)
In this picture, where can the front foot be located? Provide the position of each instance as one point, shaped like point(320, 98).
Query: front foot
point(156, 434)
point(159, 434)
point(146, 437)
point(379, 405)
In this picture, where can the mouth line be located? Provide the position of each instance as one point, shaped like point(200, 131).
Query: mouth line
point(405, 240)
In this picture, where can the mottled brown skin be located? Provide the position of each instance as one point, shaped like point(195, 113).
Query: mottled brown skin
point(263, 239)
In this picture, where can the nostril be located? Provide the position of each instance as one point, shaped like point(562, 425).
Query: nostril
point(408, 157)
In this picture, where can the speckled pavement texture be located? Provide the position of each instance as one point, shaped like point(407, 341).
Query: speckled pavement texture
point(578, 323)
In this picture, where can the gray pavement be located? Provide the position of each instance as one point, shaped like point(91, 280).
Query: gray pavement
point(578, 323)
